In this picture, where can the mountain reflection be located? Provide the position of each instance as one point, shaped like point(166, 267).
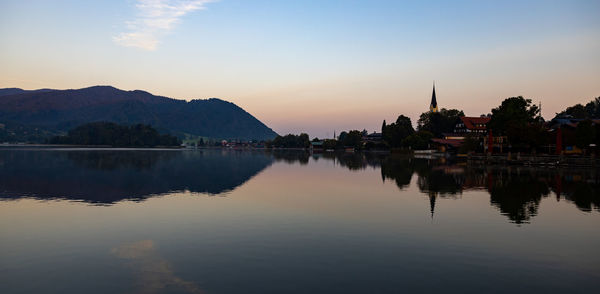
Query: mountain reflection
point(108, 176)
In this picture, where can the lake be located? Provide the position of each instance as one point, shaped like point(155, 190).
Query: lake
point(227, 221)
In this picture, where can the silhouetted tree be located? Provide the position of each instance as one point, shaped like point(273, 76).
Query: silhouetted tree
point(589, 111)
point(352, 139)
point(290, 141)
point(395, 133)
point(440, 122)
point(520, 121)
point(111, 134)
point(585, 134)
point(418, 141)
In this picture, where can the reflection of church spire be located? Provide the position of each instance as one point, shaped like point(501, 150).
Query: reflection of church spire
point(432, 196)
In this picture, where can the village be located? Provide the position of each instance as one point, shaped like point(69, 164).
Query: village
point(513, 132)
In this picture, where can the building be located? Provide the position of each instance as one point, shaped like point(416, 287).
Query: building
point(433, 107)
point(469, 126)
point(373, 137)
point(563, 130)
point(316, 146)
point(473, 125)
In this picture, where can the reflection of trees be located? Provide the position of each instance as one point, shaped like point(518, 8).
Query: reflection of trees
point(517, 193)
point(584, 195)
point(110, 176)
point(358, 161)
point(581, 188)
point(446, 180)
point(399, 169)
point(291, 156)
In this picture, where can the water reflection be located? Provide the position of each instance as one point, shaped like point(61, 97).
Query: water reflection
point(515, 190)
point(153, 273)
point(108, 176)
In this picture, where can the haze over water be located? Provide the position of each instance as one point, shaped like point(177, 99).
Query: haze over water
point(213, 221)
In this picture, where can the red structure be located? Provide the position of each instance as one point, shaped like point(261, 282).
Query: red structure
point(471, 124)
point(490, 142)
point(558, 141)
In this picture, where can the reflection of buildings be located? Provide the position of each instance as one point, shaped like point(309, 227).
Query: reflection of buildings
point(111, 176)
point(515, 191)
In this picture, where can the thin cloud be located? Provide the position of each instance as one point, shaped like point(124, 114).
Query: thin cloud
point(154, 19)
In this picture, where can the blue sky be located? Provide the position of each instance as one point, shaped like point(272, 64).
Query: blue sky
point(313, 66)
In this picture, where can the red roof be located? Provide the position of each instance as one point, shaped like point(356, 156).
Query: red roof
point(471, 122)
point(451, 142)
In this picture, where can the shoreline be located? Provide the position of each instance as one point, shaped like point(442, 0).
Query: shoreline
point(505, 159)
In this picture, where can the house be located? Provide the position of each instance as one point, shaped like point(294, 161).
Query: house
point(470, 126)
point(563, 129)
point(373, 137)
point(447, 145)
point(473, 125)
point(316, 146)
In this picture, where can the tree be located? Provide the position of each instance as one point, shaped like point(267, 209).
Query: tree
point(111, 134)
point(440, 122)
point(418, 141)
point(513, 111)
point(353, 139)
point(518, 120)
point(330, 144)
point(396, 132)
point(290, 141)
point(342, 136)
point(576, 111)
point(383, 126)
point(589, 111)
point(585, 134)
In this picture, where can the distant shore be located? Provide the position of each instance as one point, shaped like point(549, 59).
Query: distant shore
point(23, 145)
point(541, 160)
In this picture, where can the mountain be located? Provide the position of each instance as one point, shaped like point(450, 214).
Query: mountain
point(13, 91)
point(62, 110)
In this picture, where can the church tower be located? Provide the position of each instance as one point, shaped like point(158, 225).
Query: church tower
point(433, 107)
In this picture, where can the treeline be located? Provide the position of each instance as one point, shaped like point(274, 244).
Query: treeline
point(517, 120)
point(115, 135)
point(14, 133)
point(590, 111)
point(346, 139)
point(289, 141)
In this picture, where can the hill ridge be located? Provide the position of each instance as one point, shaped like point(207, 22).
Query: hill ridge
point(61, 110)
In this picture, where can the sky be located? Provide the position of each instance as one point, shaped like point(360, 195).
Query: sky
point(311, 66)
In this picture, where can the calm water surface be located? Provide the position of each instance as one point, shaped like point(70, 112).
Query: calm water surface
point(212, 221)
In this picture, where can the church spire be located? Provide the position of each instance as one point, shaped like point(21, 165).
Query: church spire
point(433, 107)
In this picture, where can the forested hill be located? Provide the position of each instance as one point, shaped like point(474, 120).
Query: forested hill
point(13, 91)
point(62, 110)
